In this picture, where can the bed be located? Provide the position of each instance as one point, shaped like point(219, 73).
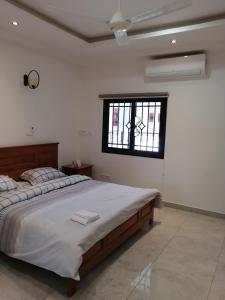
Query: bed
point(46, 217)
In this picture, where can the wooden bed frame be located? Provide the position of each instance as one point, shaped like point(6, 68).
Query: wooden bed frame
point(15, 160)
point(112, 241)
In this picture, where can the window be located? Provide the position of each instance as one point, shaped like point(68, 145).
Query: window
point(135, 126)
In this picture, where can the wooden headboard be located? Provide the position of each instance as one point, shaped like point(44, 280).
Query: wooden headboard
point(15, 160)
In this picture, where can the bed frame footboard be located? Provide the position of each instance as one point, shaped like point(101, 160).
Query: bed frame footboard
point(112, 241)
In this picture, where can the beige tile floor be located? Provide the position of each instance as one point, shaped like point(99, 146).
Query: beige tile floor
point(182, 257)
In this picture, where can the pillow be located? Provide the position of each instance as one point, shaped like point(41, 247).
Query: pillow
point(39, 175)
point(7, 184)
point(23, 184)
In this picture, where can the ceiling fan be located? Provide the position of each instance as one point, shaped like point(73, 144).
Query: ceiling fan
point(119, 25)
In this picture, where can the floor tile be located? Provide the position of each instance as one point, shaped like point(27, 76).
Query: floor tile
point(176, 259)
point(222, 254)
point(218, 286)
point(161, 284)
point(200, 223)
point(205, 218)
point(113, 283)
point(187, 264)
point(196, 247)
point(21, 288)
point(26, 281)
point(3, 263)
point(146, 250)
point(172, 217)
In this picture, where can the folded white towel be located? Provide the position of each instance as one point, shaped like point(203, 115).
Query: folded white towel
point(87, 214)
point(84, 217)
point(80, 220)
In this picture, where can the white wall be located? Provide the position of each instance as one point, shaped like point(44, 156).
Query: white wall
point(52, 108)
point(193, 171)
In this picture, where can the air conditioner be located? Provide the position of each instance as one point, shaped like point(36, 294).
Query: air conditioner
point(177, 68)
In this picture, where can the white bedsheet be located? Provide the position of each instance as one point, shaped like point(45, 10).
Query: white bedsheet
point(49, 239)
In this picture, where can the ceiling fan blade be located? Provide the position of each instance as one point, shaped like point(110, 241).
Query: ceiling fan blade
point(163, 10)
point(121, 37)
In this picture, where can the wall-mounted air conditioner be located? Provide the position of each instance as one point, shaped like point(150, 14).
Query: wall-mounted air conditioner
point(184, 67)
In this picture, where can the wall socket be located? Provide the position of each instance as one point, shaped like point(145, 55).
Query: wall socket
point(105, 177)
point(84, 133)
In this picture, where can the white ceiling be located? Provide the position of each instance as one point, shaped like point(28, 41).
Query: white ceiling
point(39, 34)
point(89, 16)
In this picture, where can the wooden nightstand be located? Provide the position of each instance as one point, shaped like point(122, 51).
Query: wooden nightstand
point(85, 169)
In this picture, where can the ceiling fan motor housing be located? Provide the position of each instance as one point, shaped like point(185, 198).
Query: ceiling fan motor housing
point(118, 22)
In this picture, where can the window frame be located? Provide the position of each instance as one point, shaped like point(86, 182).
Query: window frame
point(132, 151)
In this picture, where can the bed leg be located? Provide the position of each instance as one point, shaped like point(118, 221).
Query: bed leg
point(71, 288)
point(151, 220)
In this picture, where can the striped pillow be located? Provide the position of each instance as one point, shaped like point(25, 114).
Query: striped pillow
point(7, 184)
point(40, 175)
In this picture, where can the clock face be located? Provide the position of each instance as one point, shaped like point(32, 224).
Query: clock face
point(33, 79)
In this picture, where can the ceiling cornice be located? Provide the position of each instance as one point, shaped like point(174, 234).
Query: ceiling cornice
point(173, 28)
point(144, 33)
point(180, 27)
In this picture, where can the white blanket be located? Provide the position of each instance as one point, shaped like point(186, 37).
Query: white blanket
point(46, 237)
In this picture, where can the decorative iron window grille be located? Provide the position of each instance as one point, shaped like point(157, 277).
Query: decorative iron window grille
point(135, 126)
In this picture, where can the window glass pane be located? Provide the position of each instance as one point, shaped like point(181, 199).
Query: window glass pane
point(145, 136)
point(157, 119)
point(147, 126)
point(119, 125)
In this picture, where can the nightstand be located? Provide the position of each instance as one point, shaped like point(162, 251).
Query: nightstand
point(85, 169)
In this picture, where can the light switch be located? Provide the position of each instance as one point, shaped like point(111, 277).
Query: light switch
point(30, 132)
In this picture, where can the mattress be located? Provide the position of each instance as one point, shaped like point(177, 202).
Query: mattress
point(40, 231)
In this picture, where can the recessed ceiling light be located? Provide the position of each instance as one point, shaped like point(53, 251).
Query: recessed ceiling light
point(15, 23)
point(173, 41)
point(185, 56)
